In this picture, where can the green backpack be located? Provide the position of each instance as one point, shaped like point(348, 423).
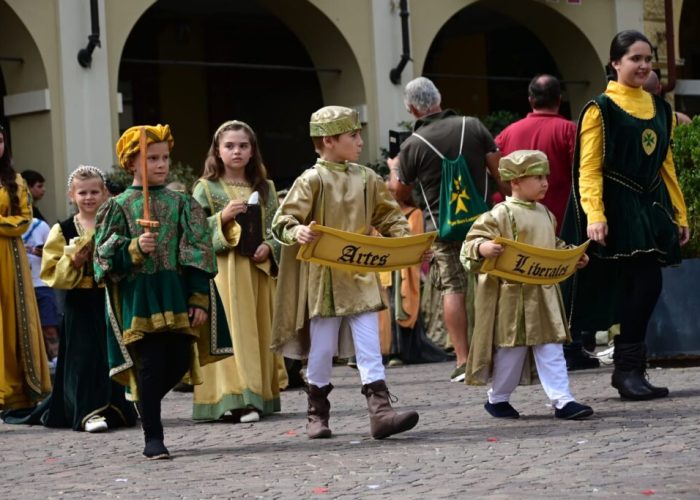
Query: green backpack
point(460, 201)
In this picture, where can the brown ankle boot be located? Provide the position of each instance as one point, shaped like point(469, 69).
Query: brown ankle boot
point(318, 411)
point(383, 419)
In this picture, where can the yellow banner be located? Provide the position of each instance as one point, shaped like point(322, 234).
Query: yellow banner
point(533, 265)
point(358, 252)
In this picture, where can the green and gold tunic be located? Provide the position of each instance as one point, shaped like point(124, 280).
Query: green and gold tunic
point(247, 288)
point(152, 293)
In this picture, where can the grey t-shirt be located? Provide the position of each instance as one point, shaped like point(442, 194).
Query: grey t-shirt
point(418, 162)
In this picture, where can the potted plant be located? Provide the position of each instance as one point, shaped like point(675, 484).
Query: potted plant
point(674, 329)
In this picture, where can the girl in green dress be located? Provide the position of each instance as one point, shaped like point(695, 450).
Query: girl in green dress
point(83, 397)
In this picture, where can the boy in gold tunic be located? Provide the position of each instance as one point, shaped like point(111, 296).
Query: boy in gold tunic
point(514, 318)
point(316, 304)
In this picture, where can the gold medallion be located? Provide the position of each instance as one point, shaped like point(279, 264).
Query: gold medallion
point(648, 141)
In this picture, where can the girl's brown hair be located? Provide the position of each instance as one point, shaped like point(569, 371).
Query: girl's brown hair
point(8, 176)
point(255, 171)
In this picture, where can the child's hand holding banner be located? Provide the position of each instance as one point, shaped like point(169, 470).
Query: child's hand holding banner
point(359, 252)
point(533, 265)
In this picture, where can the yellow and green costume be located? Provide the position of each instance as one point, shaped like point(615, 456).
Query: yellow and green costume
point(624, 175)
point(247, 288)
point(151, 294)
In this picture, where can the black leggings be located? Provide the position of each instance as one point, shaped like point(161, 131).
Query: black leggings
point(164, 358)
point(642, 287)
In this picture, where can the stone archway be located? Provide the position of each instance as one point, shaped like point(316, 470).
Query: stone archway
point(256, 61)
point(26, 102)
point(557, 45)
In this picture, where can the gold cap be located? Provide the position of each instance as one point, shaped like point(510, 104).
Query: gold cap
point(128, 143)
point(523, 163)
point(334, 120)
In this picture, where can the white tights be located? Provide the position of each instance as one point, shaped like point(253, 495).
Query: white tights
point(324, 345)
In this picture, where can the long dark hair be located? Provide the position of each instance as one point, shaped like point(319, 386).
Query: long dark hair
point(619, 46)
point(255, 171)
point(8, 176)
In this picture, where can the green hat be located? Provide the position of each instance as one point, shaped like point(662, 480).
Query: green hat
point(523, 163)
point(334, 120)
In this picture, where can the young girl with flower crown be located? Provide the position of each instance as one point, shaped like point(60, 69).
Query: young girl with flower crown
point(248, 384)
point(83, 397)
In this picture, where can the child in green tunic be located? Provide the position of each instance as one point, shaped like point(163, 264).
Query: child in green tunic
point(158, 281)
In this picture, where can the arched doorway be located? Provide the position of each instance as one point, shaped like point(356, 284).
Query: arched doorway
point(483, 57)
point(27, 113)
point(195, 66)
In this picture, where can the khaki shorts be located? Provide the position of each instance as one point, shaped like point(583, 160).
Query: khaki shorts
point(446, 271)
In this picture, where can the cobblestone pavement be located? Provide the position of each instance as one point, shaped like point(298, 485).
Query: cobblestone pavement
point(628, 450)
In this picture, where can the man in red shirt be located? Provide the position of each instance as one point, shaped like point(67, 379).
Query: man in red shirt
point(545, 129)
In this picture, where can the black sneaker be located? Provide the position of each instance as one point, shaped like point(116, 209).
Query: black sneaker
point(581, 362)
point(156, 450)
point(501, 410)
point(574, 411)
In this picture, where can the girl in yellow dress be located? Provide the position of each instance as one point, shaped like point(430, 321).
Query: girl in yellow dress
point(248, 384)
point(24, 369)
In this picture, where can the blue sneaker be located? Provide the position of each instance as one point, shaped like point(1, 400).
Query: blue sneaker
point(574, 411)
point(501, 410)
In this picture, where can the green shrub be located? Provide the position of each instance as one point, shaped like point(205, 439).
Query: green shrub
point(686, 156)
point(498, 120)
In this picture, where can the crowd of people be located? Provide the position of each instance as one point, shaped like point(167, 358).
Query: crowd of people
point(160, 288)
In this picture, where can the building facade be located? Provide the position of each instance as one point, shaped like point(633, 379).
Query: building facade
point(272, 62)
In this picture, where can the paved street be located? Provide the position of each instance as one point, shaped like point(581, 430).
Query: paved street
point(628, 450)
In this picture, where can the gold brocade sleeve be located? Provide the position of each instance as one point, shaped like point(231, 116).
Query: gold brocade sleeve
point(13, 226)
point(137, 256)
point(224, 236)
point(200, 300)
point(293, 212)
point(231, 231)
point(57, 269)
point(484, 229)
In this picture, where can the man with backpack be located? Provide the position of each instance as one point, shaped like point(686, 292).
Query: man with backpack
point(450, 158)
